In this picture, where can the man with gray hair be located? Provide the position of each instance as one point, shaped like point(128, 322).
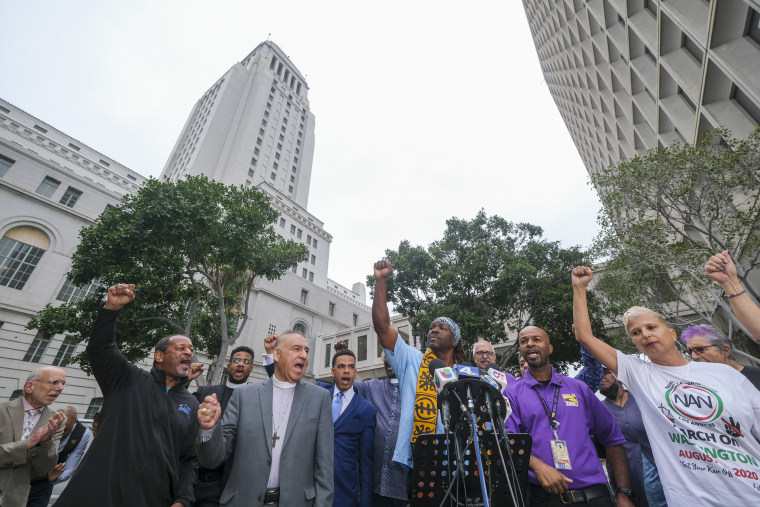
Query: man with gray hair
point(29, 434)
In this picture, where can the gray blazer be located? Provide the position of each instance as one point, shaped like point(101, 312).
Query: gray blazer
point(17, 463)
point(306, 462)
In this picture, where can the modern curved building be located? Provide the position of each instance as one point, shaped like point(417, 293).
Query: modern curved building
point(631, 75)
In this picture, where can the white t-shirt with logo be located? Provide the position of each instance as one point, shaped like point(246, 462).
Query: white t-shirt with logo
point(703, 422)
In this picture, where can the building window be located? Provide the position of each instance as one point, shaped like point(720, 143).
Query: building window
point(282, 222)
point(272, 329)
point(279, 146)
point(311, 276)
point(356, 319)
point(20, 250)
point(40, 129)
point(298, 152)
point(5, 164)
point(16, 394)
point(292, 179)
point(70, 197)
point(254, 162)
point(304, 273)
point(294, 269)
point(74, 147)
point(282, 137)
point(315, 243)
point(68, 346)
point(361, 348)
point(285, 120)
point(308, 238)
point(258, 141)
point(313, 259)
point(328, 346)
point(256, 151)
point(48, 186)
point(250, 171)
point(96, 405)
point(298, 235)
point(275, 165)
point(272, 176)
point(261, 131)
point(292, 229)
point(36, 349)
point(70, 293)
point(266, 113)
point(298, 142)
point(104, 163)
point(290, 188)
point(277, 155)
point(331, 309)
point(294, 169)
point(304, 295)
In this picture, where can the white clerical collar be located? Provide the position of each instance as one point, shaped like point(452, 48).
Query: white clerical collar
point(283, 385)
point(394, 380)
point(234, 386)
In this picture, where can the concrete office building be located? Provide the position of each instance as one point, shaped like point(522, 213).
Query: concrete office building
point(51, 185)
point(631, 75)
point(253, 127)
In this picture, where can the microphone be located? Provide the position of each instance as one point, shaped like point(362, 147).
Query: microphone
point(442, 376)
point(500, 378)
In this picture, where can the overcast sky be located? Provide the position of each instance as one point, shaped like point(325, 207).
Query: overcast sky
point(424, 110)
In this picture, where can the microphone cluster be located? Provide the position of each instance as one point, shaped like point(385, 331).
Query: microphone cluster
point(464, 391)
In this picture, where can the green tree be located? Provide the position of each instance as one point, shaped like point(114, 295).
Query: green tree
point(491, 276)
point(194, 249)
point(665, 213)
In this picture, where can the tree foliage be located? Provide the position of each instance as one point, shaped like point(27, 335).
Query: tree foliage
point(665, 213)
point(491, 276)
point(194, 249)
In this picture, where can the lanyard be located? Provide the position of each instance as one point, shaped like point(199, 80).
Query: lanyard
point(553, 422)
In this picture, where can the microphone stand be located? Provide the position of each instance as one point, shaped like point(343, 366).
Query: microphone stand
point(513, 482)
point(471, 406)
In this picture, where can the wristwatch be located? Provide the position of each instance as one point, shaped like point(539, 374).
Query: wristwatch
point(627, 492)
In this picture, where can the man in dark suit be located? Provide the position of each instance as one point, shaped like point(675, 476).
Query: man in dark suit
point(29, 434)
point(210, 482)
point(279, 434)
point(354, 419)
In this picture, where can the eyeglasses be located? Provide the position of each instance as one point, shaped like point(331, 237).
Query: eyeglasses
point(238, 360)
point(53, 382)
point(486, 353)
point(698, 350)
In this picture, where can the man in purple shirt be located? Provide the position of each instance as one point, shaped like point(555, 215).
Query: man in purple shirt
point(561, 413)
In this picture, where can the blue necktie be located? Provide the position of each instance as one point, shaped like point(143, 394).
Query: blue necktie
point(337, 405)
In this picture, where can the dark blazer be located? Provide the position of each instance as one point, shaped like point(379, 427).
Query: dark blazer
point(354, 452)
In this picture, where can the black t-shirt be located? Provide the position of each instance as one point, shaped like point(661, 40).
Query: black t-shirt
point(753, 374)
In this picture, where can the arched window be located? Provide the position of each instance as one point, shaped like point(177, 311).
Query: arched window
point(21, 248)
point(300, 328)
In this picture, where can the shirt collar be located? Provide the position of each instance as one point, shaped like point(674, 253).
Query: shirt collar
point(281, 384)
point(27, 406)
point(347, 394)
point(235, 386)
point(530, 381)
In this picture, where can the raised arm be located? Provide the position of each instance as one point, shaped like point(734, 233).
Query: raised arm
point(110, 367)
point(381, 319)
point(604, 353)
point(722, 269)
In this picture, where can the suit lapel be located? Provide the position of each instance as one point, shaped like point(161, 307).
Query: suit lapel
point(347, 414)
point(299, 399)
point(16, 413)
point(265, 400)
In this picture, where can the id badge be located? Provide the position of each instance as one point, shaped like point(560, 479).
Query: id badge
point(561, 455)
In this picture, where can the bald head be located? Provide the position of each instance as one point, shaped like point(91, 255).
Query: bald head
point(535, 347)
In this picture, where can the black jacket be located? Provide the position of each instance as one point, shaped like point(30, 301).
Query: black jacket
point(144, 453)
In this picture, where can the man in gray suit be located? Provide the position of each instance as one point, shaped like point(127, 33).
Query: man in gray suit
point(29, 434)
point(281, 428)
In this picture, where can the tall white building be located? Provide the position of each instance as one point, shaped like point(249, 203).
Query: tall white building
point(631, 75)
point(253, 127)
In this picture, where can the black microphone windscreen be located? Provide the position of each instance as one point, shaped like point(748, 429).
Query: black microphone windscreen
point(434, 365)
point(494, 366)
